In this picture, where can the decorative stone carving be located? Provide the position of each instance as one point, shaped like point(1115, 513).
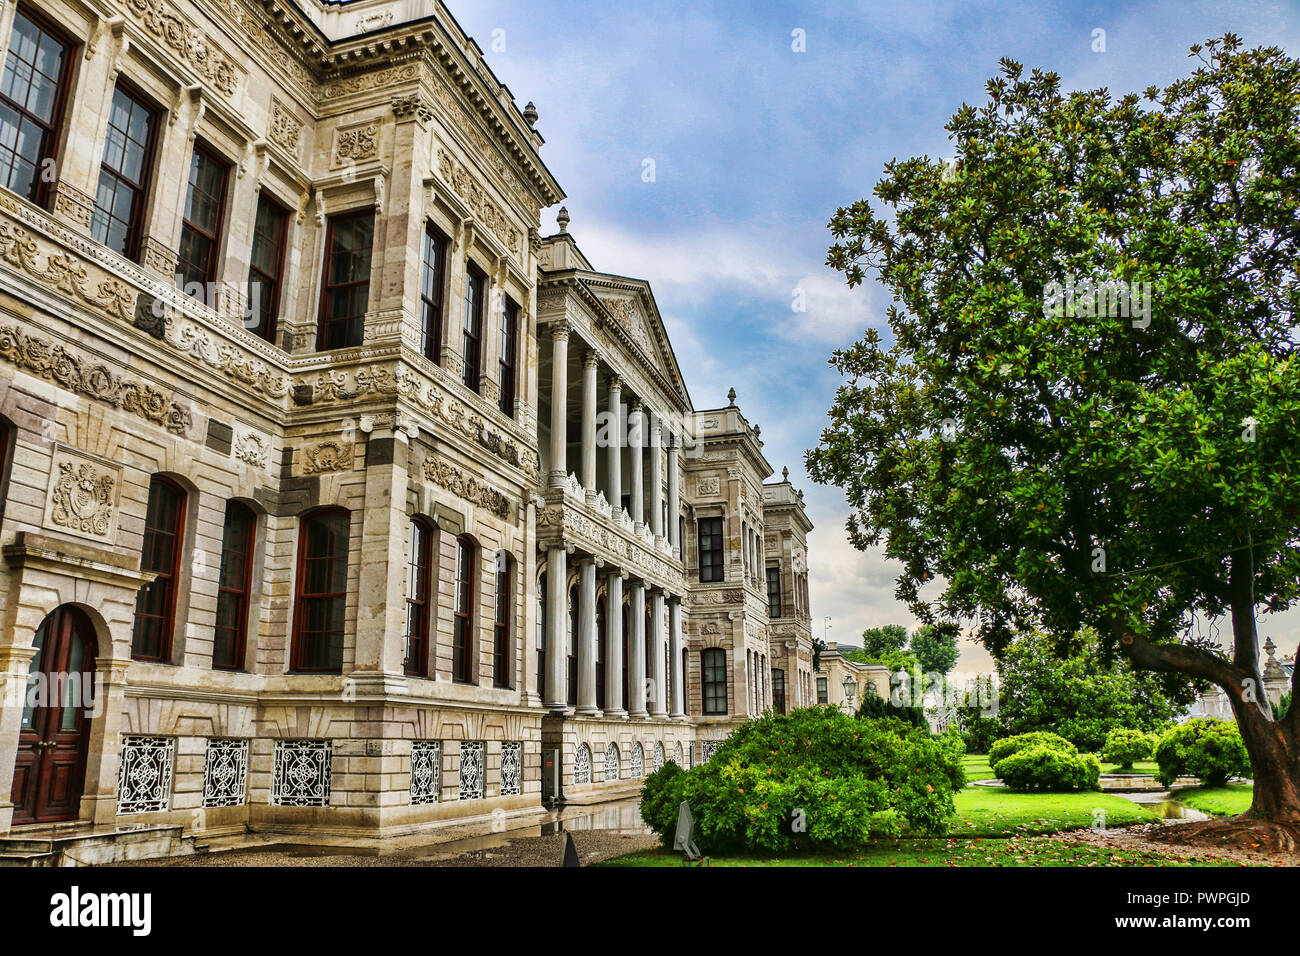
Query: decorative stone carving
point(83, 496)
point(374, 21)
point(370, 81)
point(582, 764)
point(629, 318)
point(611, 762)
point(284, 129)
point(708, 487)
point(187, 42)
point(574, 525)
point(726, 596)
point(73, 203)
point(251, 448)
point(156, 257)
point(484, 209)
point(40, 357)
point(327, 456)
point(465, 124)
point(446, 475)
point(67, 274)
point(412, 105)
point(356, 143)
point(637, 769)
point(251, 373)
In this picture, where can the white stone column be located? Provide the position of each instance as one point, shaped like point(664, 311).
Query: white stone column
point(674, 495)
point(659, 707)
point(587, 636)
point(559, 403)
point(656, 478)
point(636, 648)
point(557, 603)
point(636, 441)
point(614, 703)
point(615, 450)
point(677, 681)
point(589, 423)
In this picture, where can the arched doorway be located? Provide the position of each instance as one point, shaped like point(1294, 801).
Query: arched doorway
point(50, 770)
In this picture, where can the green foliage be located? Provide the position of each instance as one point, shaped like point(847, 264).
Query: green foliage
point(1282, 707)
point(1203, 747)
point(1125, 746)
point(1049, 768)
point(877, 641)
point(846, 779)
point(875, 707)
point(1008, 746)
point(935, 649)
point(979, 731)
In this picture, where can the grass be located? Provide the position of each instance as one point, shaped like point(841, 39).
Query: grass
point(986, 812)
point(1226, 801)
point(1139, 766)
point(977, 767)
point(1016, 851)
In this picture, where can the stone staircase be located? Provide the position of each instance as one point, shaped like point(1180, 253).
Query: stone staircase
point(80, 845)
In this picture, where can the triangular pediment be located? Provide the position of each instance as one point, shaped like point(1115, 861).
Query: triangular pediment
point(632, 309)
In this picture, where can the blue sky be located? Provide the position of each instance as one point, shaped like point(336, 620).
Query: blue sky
point(755, 146)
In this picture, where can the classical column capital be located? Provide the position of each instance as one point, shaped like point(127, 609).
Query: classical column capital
point(590, 358)
point(560, 330)
point(615, 382)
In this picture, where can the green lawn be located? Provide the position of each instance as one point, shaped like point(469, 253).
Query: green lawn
point(1016, 851)
point(1140, 766)
point(988, 812)
point(977, 767)
point(1218, 801)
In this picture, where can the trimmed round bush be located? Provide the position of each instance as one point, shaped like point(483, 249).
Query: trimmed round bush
point(1049, 768)
point(1125, 747)
point(814, 778)
point(1039, 738)
point(1203, 747)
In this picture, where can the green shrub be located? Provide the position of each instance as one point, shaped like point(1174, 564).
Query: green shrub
point(1125, 747)
point(875, 707)
point(1039, 738)
point(1049, 768)
point(979, 732)
point(812, 778)
point(1203, 747)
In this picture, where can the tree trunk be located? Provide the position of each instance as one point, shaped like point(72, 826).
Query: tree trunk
point(1273, 763)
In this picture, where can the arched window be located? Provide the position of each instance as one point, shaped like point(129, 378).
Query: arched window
point(419, 589)
point(582, 764)
point(601, 640)
point(713, 671)
point(234, 582)
point(573, 646)
point(462, 652)
point(155, 604)
point(541, 635)
point(638, 761)
point(501, 626)
point(318, 619)
point(611, 762)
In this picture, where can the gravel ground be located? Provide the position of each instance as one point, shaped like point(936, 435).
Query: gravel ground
point(1134, 838)
point(592, 846)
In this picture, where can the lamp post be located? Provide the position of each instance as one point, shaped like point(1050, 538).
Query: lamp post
point(850, 694)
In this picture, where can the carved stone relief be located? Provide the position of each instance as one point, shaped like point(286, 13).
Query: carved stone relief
point(83, 495)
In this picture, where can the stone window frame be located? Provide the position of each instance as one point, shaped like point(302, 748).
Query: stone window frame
point(295, 640)
point(170, 619)
point(706, 682)
point(420, 667)
point(245, 590)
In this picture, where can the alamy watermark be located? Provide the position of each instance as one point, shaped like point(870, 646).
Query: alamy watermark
point(1099, 297)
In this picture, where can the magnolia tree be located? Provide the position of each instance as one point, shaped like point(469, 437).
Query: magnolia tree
point(1089, 412)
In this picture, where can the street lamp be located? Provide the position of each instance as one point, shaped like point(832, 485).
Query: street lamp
point(850, 694)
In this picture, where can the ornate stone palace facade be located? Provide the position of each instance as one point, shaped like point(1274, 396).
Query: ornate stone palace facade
point(335, 496)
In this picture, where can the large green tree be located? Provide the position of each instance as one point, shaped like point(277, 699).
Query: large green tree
point(1040, 467)
point(935, 648)
point(878, 641)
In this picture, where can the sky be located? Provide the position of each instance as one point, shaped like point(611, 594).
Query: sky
point(702, 151)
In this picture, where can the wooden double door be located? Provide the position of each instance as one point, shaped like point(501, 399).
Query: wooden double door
point(50, 770)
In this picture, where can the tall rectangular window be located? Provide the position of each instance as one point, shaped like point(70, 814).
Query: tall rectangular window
point(472, 337)
point(713, 672)
point(501, 626)
point(155, 603)
point(509, 356)
point(346, 294)
point(205, 205)
point(418, 589)
point(118, 217)
point(774, 592)
point(234, 581)
point(778, 690)
point(435, 264)
point(319, 617)
point(266, 267)
point(462, 663)
point(822, 696)
point(710, 548)
point(33, 93)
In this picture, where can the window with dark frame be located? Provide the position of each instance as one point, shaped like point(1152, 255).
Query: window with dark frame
point(431, 282)
point(572, 657)
point(155, 603)
point(501, 626)
point(33, 97)
point(205, 204)
point(266, 267)
point(509, 355)
point(462, 652)
point(774, 591)
point(345, 296)
point(472, 334)
point(318, 620)
point(778, 690)
point(822, 697)
point(601, 640)
point(710, 550)
point(234, 582)
point(713, 677)
point(117, 219)
point(541, 636)
point(419, 588)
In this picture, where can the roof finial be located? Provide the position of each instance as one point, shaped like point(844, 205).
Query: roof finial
point(785, 474)
point(758, 430)
point(530, 114)
point(562, 218)
point(731, 397)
